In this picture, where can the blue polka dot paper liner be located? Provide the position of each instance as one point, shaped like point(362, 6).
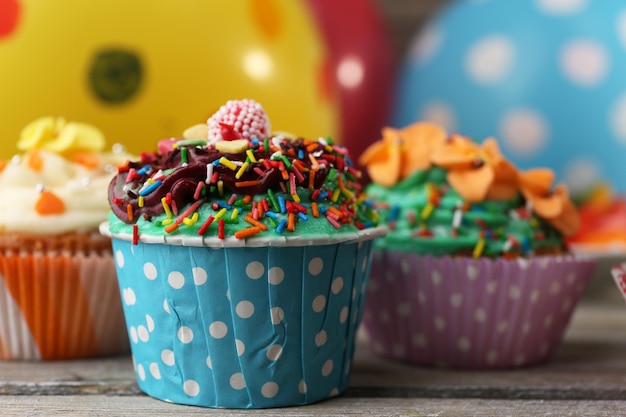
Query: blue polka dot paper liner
point(244, 327)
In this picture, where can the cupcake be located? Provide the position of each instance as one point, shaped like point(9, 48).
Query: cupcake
point(59, 297)
point(242, 258)
point(474, 272)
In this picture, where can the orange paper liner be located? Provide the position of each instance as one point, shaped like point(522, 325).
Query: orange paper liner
point(60, 307)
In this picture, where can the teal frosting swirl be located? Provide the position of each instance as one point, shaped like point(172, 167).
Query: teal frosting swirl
point(426, 216)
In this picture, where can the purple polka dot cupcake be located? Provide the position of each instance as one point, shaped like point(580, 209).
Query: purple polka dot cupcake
point(474, 272)
point(242, 258)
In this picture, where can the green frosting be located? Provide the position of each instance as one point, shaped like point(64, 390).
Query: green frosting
point(307, 225)
point(425, 215)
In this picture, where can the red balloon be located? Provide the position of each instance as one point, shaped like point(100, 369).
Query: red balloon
point(362, 67)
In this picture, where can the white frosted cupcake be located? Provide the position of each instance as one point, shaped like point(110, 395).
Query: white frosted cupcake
point(58, 288)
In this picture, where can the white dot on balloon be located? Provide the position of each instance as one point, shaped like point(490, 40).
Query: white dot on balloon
point(218, 329)
point(276, 275)
point(191, 388)
point(315, 266)
point(133, 334)
point(618, 119)
point(581, 174)
point(255, 270)
point(166, 307)
point(185, 334)
point(199, 275)
point(350, 72)
point(167, 356)
point(561, 7)
point(258, 64)
point(269, 389)
point(274, 352)
point(584, 62)
point(237, 382)
point(319, 303)
point(245, 309)
point(524, 131)
point(119, 258)
point(150, 271)
point(176, 280)
point(439, 113)
point(427, 44)
point(490, 59)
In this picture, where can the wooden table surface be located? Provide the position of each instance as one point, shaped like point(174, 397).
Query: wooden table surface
point(587, 377)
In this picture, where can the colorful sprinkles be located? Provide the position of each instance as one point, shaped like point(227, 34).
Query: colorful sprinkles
point(273, 185)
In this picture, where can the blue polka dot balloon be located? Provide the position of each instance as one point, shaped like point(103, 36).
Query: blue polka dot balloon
point(545, 77)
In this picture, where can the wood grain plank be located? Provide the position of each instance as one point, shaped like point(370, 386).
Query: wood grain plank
point(591, 365)
point(144, 407)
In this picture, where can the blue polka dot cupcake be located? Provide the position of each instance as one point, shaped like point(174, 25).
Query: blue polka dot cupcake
point(242, 259)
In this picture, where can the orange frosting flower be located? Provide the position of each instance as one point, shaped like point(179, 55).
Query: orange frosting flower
point(553, 205)
point(401, 152)
point(476, 171)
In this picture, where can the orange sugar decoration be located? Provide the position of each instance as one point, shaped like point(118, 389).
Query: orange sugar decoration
point(291, 220)
point(312, 178)
point(3, 164)
point(256, 223)
point(129, 212)
point(49, 203)
point(335, 211)
point(315, 209)
point(250, 231)
point(87, 159)
point(251, 183)
point(34, 160)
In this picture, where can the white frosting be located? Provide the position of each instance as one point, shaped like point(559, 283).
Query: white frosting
point(83, 190)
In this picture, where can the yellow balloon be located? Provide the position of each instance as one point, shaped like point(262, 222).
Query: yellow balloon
point(144, 70)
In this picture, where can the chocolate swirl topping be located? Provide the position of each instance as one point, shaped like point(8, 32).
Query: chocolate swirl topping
point(178, 172)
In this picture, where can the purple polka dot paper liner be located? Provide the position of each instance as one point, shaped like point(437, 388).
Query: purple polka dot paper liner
point(619, 276)
point(242, 327)
point(471, 313)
